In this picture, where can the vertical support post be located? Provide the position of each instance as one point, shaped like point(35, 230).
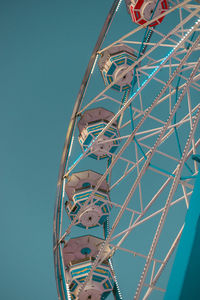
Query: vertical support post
point(184, 280)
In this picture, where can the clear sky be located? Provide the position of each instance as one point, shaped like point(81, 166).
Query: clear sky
point(45, 46)
point(44, 50)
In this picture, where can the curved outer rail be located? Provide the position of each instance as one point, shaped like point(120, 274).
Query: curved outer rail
point(58, 264)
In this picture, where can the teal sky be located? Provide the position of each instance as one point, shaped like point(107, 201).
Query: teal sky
point(44, 50)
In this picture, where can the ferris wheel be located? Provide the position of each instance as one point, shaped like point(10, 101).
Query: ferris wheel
point(127, 173)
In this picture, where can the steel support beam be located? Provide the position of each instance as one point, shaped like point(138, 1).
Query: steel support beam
point(184, 280)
